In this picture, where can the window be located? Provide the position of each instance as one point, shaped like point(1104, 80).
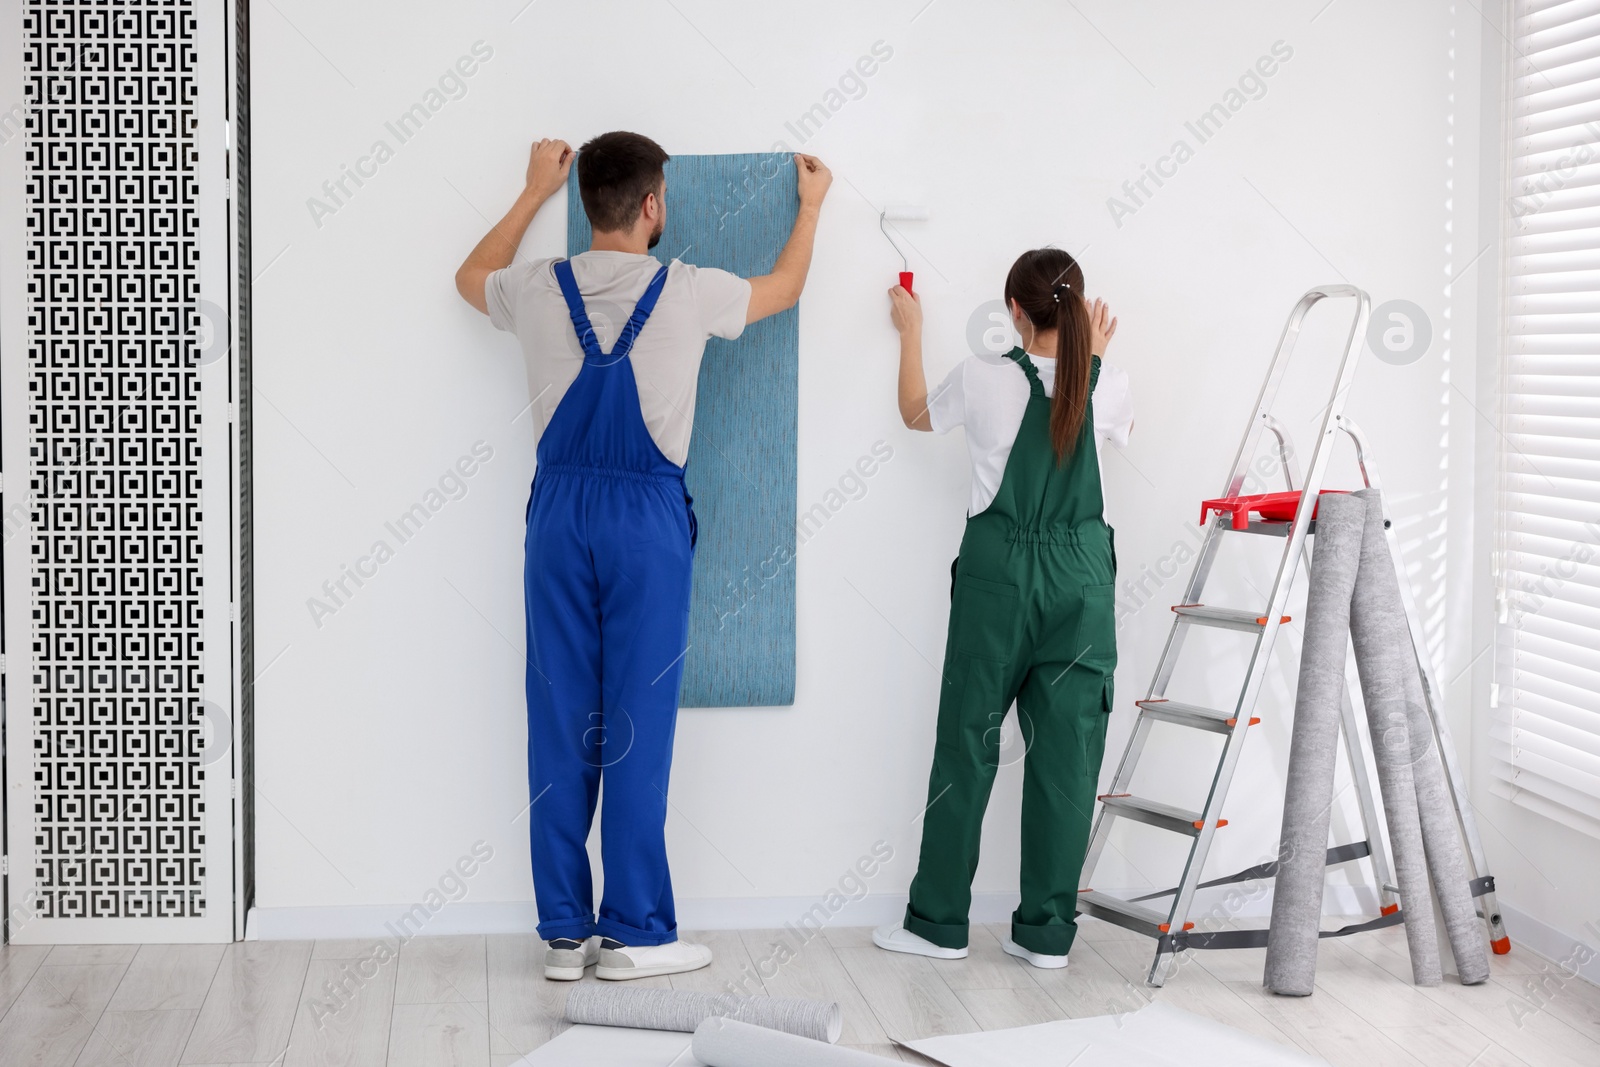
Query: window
point(1546, 697)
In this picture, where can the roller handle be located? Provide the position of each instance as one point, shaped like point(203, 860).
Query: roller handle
point(905, 280)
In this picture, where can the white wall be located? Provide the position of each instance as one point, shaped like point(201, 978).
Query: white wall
point(391, 737)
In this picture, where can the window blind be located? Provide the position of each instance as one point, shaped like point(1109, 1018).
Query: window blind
point(1546, 698)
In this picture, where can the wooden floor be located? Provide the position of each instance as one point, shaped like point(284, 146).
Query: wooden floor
point(483, 1001)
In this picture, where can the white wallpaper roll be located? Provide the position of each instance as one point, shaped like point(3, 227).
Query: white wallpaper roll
point(723, 1042)
point(685, 1010)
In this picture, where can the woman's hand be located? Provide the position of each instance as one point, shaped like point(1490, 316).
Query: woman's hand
point(905, 311)
point(1102, 327)
point(548, 163)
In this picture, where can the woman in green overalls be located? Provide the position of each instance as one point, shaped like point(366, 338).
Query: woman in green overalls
point(1031, 614)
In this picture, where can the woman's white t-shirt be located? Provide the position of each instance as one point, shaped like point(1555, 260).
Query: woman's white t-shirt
point(988, 395)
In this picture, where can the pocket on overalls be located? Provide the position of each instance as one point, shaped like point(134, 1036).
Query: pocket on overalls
point(694, 525)
point(1095, 645)
point(985, 618)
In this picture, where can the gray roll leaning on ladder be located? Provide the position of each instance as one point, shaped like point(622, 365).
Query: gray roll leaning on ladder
point(685, 1010)
point(1314, 748)
point(1384, 658)
point(1441, 832)
point(730, 1043)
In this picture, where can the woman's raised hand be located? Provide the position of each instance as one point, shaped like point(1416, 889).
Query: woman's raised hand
point(905, 310)
point(1102, 327)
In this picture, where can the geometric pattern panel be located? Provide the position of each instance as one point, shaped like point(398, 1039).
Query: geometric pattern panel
point(113, 350)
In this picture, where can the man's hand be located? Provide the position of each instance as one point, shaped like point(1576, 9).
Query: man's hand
point(548, 163)
point(905, 311)
point(780, 290)
point(1102, 327)
point(813, 179)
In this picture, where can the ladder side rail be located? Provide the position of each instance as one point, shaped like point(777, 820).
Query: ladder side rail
point(1274, 379)
point(1256, 674)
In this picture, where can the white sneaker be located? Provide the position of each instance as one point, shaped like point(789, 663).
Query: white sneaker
point(565, 958)
point(1038, 959)
point(619, 962)
point(896, 938)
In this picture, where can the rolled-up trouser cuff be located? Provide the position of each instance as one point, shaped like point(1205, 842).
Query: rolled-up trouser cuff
point(580, 928)
point(632, 936)
point(945, 935)
point(1050, 939)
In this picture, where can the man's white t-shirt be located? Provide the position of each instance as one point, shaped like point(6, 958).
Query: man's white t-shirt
point(695, 304)
point(989, 394)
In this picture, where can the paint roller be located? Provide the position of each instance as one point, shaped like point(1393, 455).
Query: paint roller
point(901, 213)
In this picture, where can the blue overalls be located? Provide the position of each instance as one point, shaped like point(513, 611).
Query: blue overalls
point(609, 549)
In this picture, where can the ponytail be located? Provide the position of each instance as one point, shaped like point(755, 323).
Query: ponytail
point(1073, 363)
point(1047, 284)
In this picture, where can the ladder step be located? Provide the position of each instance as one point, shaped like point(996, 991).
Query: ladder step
point(1167, 816)
point(1227, 618)
point(1218, 722)
point(1124, 913)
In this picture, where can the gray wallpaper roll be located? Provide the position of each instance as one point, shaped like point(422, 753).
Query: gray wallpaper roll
point(1441, 832)
point(1385, 660)
point(1447, 859)
point(1314, 748)
point(730, 1043)
point(685, 1010)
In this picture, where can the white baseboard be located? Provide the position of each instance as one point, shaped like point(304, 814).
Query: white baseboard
point(383, 920)
point(729, 913)
point(1564, 952)
point(1565, 955)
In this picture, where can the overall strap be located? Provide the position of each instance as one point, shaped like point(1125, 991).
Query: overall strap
point(641, 311)
point(1020, 358)
point(580, 317)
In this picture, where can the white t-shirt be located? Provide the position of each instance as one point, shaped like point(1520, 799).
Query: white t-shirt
point(989, 394)
point(696, 303)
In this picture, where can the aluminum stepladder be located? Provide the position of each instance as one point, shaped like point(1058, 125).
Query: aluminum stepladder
point(1170, 924)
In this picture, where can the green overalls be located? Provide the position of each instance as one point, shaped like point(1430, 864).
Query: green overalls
point(1031, 620)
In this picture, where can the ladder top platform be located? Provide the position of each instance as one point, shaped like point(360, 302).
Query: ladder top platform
point(1272, 507)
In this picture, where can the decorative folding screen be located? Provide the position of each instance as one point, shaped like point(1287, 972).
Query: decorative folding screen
point(118, 473)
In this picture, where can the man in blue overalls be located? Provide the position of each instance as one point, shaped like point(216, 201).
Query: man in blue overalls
point(611, 530)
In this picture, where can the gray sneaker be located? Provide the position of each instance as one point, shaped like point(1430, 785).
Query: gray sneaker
point(565, 958)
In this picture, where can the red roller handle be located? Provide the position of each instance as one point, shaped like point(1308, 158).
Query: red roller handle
point(905, 280)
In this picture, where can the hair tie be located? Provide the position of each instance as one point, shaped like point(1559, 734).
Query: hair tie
point(1056, 292)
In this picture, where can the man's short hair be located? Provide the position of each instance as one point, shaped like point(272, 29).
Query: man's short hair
point(616, 171)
